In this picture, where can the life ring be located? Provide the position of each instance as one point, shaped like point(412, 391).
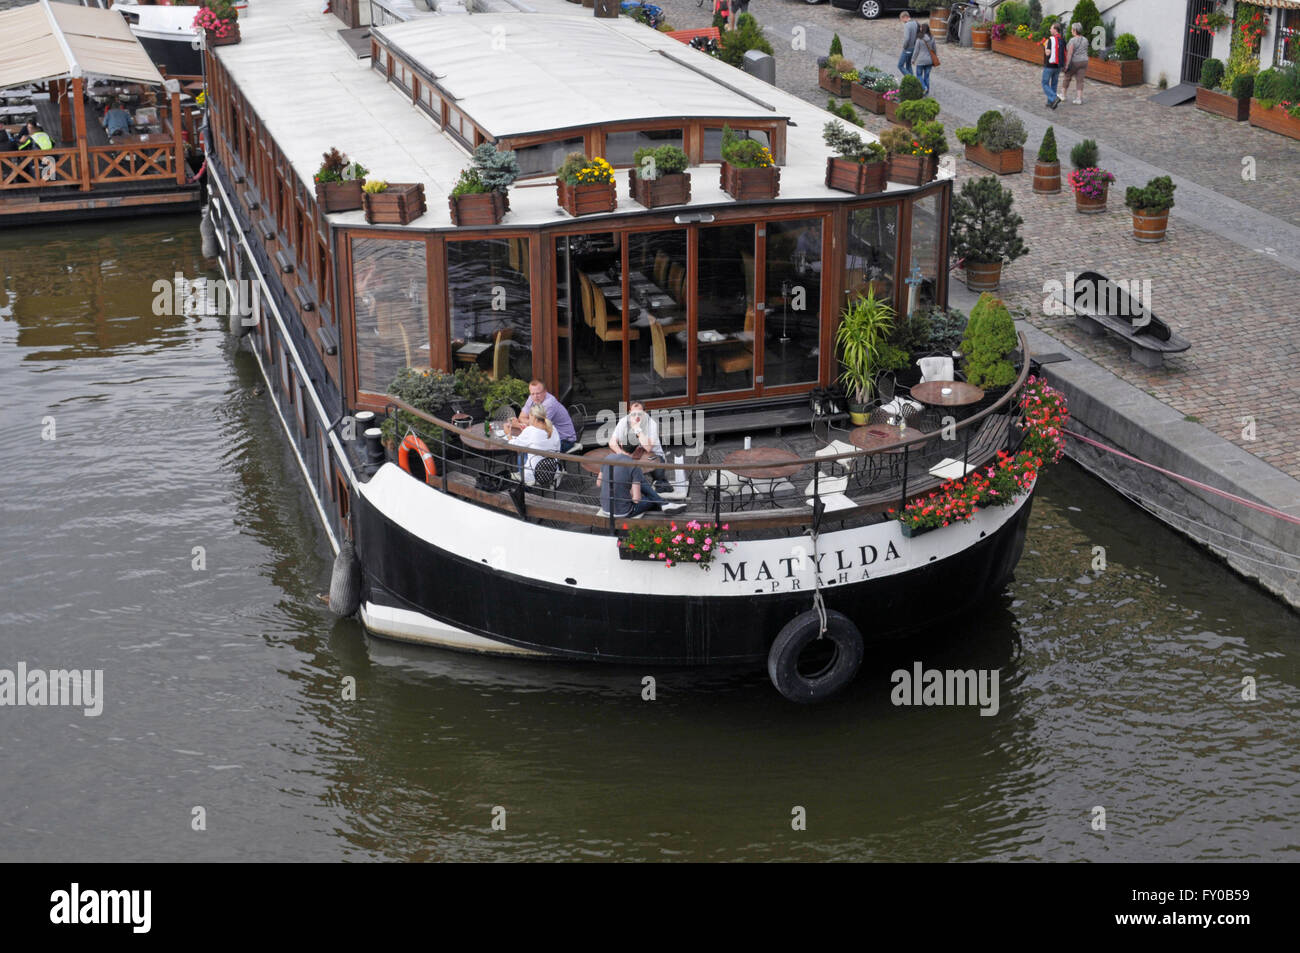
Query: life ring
point(829, 674)
point(412, 442)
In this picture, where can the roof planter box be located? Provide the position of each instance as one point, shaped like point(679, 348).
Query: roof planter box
point(912, 170)
point(749, 184)
point(339, 196)
point(586, 199)
point(399, 204)
point(483, 208)
point(849, 175)
point(672, 189)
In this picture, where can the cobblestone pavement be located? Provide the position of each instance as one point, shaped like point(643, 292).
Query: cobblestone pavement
point(1240, 308)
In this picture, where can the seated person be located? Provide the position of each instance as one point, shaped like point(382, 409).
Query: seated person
point(638, 434)
point(620, 489)
point(117, 121)
point(7, 142)
point(35, 138)
point(555, 413)
point(538, 435)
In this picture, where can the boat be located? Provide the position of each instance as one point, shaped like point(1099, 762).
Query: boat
point(166, 32)
point(441, 541)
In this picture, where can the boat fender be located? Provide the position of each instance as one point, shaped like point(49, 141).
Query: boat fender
point(208, 234)
point(345, 582)
point(799, 633)
point(414, 443)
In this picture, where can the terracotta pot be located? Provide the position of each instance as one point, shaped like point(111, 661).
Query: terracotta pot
point(1115, 72)
point(1003, 163)
point(868, 99)
point(912, 170)
point(981, 39)
point(747, 184)
point(846, 175)
point(1150, 226)
point(1047, 178)
point(484, 208)
point(666, 190)
point(833, 83)
point(399, 204)
point(1221, 104)
point(983, 276)
point(339, 196)
point(1090, 206)
point(586, 199)
point(1276, 120)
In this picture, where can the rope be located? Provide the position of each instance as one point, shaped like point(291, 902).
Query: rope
point(818, 602)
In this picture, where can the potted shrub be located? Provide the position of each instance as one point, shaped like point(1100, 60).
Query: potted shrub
point(996, 142)
point(912, 111)
point(338, 183)
point(481, 195)
point(1212, 97)
point(987, 347)
point(1122, 67)
point(909, 89)
point(837, 75)
point(585, 186)
point(1047, 167)
point(658, 176)
point(748, 169)
point(392, 203)
point(844, 110)
point(870, 88)
point(858, 166)
point(1150, 205)
point(1276, 102)
point(219, 21)
point(985, 231)
point(861, 337)
point(1091, 184)
point(914, 153)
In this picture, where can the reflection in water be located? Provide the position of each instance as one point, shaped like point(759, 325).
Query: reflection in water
point(225, 686)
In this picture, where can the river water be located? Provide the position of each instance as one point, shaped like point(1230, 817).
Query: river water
point(1119, 688)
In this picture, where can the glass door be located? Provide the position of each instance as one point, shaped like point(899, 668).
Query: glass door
point(726, 319)
point(790, 325)
point(656, 288)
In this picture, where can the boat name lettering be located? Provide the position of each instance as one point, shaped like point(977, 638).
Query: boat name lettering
point(739, 570)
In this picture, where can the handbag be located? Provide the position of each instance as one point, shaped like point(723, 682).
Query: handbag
point(934, 55)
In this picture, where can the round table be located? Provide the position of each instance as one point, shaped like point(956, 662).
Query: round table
point(743, 464)
point(961, 393)
point(876, 438)
point(593, 458)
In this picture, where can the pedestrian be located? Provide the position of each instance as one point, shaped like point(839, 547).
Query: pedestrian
point(924, 56)
point(1076, 63)
point(1053, 57)
point(909, 43)
point(737, 8)
point(722, 10)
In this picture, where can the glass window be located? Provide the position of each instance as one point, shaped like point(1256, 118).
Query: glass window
point(620, 147)
point(869, 257)
point(1287, 47)
point(922, 276)
point(657, 287)
point(794, 302)
point(390, 293)
point(713, 141)
point(726, 320)
point(588, 283)
point(545, 157)
point(490, 306)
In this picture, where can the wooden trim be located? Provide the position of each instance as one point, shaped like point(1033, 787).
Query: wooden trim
point(79, 118)
point(439, 311)
point(176, 137)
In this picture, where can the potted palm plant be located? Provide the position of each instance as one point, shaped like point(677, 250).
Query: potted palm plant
point(658, 176)
point(1091, 184)
point(1150, 206)
point(585, 185)
point(996, 142)
point(748, 169)
point(859, 166)
point(862, 338)
point(338, 183)
point(1047, 167)
point(985, 231)
point(481, 196)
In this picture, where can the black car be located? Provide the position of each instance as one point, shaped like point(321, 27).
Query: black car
point(871, 9)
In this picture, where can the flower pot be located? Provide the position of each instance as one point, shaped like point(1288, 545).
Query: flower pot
point(867, 98)
point(1004, 162)
point(483, 208)
point(586, 199)
point(1086, 205)
point(1150, 226)
point(399, 204)
point(1115, 72)
point(1276, 120)
point(983, 275)
point(339, 196)
point(750, 184)
point(858, 414)
point(1017, 47)
point(626, 553)
point(846, 175)
point(910, 531)
point(1047, 178)
point(981, 39)
point(912, 170)
point(666, 190)
point(230, 39)
point(1221, 104)
point(833, 83)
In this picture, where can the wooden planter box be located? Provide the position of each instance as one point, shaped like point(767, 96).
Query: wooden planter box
point(846, 175)
point(339, 196)
point(666, 190)
point(1274, 120)
point(230, 39)
point(912, 170)
point(1090, 206)
point(1150, 226)
point(868, 99)
point(586, 199)
point(833, 83)
point(747, 184)
point(981, 39)
point(484, 208)
point(399, 204)
point(1221, 104)
point(891, 113)
point(1003, 163)
point(1115, 72)
point(1017, 47)
point(1047, 178)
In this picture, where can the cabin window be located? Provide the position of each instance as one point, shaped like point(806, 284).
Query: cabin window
point(713, 141)
point(922, 272)
point(871, 251)
point(794, 301)
point(490, 305)
point(592, 356)
point(545, 157)
point(459, 126)
point(726, 317)
point(390, 283)
point(620, 147)
point(657, 270)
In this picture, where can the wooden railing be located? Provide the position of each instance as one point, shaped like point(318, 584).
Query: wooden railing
point(132, 162)
point(34, 169)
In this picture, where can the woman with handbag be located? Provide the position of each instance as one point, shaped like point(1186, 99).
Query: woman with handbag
point(924, 56)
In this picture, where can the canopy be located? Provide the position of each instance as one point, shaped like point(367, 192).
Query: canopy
point(47, 41)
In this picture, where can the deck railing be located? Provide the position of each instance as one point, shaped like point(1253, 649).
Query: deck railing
point(132, 162)
point(872, 481)
point(35, 169)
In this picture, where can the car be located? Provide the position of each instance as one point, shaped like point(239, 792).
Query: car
point(872, 9)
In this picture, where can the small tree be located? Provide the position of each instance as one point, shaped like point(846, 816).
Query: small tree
point(1047, 148)
point(1085, 155)
point(1085, 14)
point(990, 338)
point(910, 88)
point(837, 48)
point(984, 228)
point(747, 36)
point(1155, 197)
point(496, 170)
point(850, 145)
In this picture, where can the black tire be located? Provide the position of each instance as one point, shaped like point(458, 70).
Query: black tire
point(870, 9)
point(831, 676)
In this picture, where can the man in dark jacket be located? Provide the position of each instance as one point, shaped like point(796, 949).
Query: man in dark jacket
point(909, 43)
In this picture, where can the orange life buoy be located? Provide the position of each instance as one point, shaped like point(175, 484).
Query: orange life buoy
point(412, 442)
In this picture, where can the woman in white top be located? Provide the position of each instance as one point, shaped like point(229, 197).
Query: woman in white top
point(538, 435)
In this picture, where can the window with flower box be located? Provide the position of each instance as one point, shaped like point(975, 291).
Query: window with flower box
point(1286, 50)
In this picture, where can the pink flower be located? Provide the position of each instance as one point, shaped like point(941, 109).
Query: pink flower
point(697, 555)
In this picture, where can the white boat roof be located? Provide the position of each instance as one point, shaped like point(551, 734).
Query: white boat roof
point(313, 94)
point(164, 21)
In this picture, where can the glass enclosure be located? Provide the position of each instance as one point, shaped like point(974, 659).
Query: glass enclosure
point(657, 285)
point(726, 318)
point(793, 271)
point(620, 147)
point(922, 274)
point(589, 270)
point(390, 279)
point(489, 303)
point(546, 157)
point(871, 250)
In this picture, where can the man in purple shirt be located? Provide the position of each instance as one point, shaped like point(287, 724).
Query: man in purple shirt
point(555, 413)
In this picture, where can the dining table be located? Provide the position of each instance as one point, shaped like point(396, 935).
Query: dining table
point(764, 465)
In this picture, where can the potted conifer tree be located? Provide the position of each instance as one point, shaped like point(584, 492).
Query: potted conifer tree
point(985, 231)
point(1047, 167)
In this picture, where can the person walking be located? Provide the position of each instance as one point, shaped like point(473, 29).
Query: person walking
point(737, 8)
point(924, 56)
point(1076, 63)
point(909, 43)
point(1053, 57)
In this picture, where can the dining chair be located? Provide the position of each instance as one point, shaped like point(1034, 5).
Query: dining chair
point(662, 261)
point(605, 330)
point(665, 367)
point(935, 369)
point(501, 354)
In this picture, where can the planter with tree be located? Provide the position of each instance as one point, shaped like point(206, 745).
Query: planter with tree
point(985, 231)
point(870, 89)
point(909, 90)
point(862, 339)
point(1213, 96)
point(909, 113)
point(987, 348)
point(996, 142)
point(1122, 67)
point(1047, 166)
point(914, 153)
point(1150, 206)
point(585, 186)
point(658, 176)
point(748, 169)
point(338, 183)
point(858, 166)
point(481, 195)
point(1091, 184)
point(837, 73)
point(1011, 34)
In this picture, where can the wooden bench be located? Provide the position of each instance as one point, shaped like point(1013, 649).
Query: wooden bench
point(1101, 305)
point(685, 36)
